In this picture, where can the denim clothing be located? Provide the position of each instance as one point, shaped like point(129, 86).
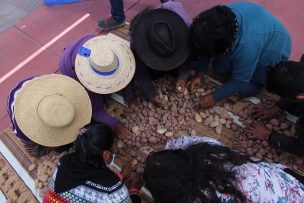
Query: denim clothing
point(117, 10)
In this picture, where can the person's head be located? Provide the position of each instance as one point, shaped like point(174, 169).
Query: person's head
point(212, 31)
point(164, 178)
point(180, 176)
point(94, 144)
point(287, 80)
point(160, 39)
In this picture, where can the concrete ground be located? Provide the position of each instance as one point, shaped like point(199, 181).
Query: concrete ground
point(32, 45)
point(11, 11)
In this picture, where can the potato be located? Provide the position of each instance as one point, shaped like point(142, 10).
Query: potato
point(214, 124)
point(169, 134)
point(32, 167)
point(274, 122)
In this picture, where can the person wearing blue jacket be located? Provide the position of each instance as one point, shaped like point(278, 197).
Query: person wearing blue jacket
point(241, 40)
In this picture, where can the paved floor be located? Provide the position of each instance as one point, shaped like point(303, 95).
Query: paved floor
point(12, 11)
point(32, 45)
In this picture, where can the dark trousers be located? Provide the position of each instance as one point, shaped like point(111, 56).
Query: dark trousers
point(117, 10)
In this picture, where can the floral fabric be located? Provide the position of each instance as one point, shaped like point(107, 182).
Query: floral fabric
point(259, 182)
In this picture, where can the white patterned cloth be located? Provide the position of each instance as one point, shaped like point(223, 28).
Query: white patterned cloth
point(186, 141)
point(85, 194)
point(259, 182)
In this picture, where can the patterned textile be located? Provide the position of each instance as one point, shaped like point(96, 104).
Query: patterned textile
point(259, 182)
point(10, 107)
point(118, 193)
point(186, 141)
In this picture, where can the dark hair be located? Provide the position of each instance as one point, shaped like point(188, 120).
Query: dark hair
point(182, 176)
point(286, 79)
point(212, 31)
point(90, 144)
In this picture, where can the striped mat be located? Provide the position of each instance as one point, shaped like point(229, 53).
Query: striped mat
point(12, 186)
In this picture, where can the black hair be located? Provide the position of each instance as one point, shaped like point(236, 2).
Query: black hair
point(92, 142)
point(212, 31)
point(286, 79)
point(183, 176)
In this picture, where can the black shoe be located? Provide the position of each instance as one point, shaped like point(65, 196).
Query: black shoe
point(302, 59)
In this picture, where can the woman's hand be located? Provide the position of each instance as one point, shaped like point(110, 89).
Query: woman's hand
point(121, 130)
point(207, 101)
point(196, 82)
point(260, 113)
point(258, 131)
point(158, 101)
point(180, 85)
point(136, 182)
point(126, 170)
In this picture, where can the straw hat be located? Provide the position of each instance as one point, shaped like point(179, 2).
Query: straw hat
point(51, 109)
point(107, 66)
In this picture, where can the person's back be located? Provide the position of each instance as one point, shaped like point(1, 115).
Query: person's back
point(245, 41)
point(264, 30)
point(85, 175)
point(90, 191)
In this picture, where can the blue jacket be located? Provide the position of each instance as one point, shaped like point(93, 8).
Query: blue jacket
point(261, 43)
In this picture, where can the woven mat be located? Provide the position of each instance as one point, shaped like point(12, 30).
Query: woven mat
point(15, 145)
point(11, 185)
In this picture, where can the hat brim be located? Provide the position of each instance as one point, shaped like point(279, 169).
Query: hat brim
point(31, 94)
point(141, 46)
point(106, 84)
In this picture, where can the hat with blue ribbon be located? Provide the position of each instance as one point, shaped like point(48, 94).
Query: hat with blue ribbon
point(105, 64)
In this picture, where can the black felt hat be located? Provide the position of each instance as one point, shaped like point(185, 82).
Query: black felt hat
point(161, 39)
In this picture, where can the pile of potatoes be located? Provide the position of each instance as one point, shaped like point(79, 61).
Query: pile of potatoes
point(216, 118)
point(12, 186)
point(262, 149)
point(152, 125)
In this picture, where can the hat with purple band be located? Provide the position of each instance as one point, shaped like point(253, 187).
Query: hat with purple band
point(104, 64)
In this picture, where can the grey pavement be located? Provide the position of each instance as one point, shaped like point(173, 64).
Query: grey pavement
point(11, 11)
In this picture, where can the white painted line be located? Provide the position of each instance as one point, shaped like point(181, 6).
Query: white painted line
point(146, 191)
point(254, 100)
point(236, 119)
point(23, 174)
point(213, 80)
point(2, 197)
point(118, 98)
point(44, 47)
point(291, 117)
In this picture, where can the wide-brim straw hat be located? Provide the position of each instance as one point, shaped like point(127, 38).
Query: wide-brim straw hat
point(161, 39)
point(51, 109)
point(105, 64)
